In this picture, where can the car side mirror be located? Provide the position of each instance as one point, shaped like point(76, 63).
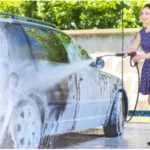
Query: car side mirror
point(99, 63)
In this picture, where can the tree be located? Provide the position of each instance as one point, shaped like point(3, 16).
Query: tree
point(78, 14)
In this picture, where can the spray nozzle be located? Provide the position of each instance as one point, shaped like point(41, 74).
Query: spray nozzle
point(99, 62)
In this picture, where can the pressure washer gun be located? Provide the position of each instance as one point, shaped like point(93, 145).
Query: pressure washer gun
point(132, 54)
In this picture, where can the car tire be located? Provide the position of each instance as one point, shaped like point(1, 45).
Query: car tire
point(25, 125)
point(115, 125)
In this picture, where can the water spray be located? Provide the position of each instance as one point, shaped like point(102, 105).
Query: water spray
point(100, 62)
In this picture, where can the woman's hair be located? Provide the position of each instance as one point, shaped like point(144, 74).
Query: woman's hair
point(146, 5)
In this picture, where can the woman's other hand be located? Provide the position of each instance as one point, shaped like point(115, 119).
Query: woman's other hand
point(136, 58)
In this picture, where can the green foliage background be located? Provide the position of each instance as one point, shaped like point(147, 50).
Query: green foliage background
point(78, 14)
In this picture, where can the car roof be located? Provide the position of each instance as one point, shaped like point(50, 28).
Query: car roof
point(23, 22)
point(15, 21)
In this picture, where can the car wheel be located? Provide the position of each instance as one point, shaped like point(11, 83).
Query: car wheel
point(115, 124)
point(25, 125)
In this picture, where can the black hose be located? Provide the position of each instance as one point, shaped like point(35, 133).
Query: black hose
point(137, 93)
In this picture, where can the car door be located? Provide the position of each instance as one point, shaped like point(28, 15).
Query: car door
point(20, 62)
point(93, 88)
point(51, 64)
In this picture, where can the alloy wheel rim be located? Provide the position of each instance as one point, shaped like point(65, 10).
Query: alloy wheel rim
point(27, 128)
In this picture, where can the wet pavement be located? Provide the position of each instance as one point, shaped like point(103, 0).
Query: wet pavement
point(136, 135)
point(72, 139)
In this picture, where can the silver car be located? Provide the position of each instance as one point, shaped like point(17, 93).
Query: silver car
point(49, 85)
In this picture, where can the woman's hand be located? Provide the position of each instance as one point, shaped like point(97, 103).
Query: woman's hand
point(125, 55)
point(136, 58)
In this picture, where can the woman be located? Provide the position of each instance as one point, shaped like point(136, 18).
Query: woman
point(143, 40)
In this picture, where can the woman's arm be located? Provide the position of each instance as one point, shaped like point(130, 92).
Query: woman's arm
point(134, 47)
point(145, 56)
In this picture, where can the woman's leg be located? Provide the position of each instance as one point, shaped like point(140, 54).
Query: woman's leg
point(149, 104)
point(149, 98)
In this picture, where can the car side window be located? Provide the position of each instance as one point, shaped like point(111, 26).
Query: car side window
point(44, 45)
point(19, 48)
point(74, 51)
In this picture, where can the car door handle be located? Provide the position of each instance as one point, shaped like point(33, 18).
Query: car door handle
point(81, 79)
